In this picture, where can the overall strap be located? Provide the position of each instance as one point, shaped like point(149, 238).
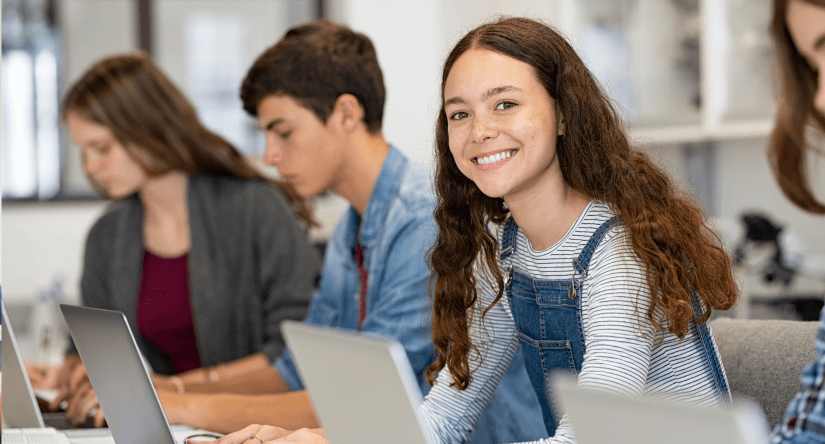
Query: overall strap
point(709, 347)
point(508, 247)
point(508, 238)
point(581, 263)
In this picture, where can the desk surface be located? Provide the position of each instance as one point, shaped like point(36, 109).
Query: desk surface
point(103, 436)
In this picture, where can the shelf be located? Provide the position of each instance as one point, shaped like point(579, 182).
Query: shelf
point(671, 135)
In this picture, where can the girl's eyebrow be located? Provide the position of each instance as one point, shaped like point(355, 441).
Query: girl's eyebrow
point(498, 90)
point(95, 143)
point(487, 94)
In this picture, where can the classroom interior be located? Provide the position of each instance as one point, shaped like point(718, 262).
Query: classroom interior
point(692, 79)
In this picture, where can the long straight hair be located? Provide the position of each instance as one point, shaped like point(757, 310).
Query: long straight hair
point(797, 88)
point(667, 228)
point(158, 127)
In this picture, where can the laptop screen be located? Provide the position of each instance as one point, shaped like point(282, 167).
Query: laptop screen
point(17, 388)
point(362, 386)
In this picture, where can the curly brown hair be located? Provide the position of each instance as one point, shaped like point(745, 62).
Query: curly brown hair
point(667, 229)
point(146, 112)
point(797, 87)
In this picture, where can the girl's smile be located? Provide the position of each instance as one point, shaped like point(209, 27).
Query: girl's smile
point(495, 160)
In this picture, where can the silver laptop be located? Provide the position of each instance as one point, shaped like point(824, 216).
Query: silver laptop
point(17, 388)
point(598, 417)
point(23, 422)
point(362, 386)
point(118, 376)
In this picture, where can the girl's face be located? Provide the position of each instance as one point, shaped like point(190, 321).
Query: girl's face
point(806, 24)
point(104, 158)
point(502, 124)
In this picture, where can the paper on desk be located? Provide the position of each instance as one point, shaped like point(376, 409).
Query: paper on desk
point(46, 395)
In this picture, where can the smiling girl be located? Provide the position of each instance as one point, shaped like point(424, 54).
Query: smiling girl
point(556, 234)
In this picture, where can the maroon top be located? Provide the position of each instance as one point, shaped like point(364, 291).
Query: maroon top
point(164, 311)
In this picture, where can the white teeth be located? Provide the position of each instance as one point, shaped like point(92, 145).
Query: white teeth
point(494, 158)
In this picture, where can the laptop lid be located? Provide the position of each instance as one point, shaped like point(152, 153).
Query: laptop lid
point(118, 376)
point(598, 417)
point(362, 386)
point(17, 388)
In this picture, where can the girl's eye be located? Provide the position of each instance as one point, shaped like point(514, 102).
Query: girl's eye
point(459, 115)
point(505, 105)
point(285, 135)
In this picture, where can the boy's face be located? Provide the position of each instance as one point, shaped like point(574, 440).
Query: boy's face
point(305, 150)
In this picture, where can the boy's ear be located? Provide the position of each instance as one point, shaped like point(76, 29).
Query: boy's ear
point(348, 112)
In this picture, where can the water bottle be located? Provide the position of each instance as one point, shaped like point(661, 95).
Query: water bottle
point(49, 332)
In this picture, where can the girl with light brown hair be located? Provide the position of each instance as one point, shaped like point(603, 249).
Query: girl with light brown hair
point(203, 254)
point(801, 95)
point(798, 32)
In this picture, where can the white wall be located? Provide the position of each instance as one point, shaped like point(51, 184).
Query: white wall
point(42, 242)
point(407, 36)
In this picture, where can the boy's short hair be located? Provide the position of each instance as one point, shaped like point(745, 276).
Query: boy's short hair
point(316, 63)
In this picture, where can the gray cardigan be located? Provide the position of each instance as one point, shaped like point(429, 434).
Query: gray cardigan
point(251, 266)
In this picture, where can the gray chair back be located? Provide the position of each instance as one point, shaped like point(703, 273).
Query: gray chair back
point(764, 358)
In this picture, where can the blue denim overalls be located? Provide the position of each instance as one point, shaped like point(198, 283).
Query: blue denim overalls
point(547, 314)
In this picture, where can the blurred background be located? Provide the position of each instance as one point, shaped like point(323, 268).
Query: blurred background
point(692, 79)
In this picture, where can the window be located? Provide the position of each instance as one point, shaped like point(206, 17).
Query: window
point(205, 48)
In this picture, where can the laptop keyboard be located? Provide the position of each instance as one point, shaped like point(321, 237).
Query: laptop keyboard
point(33, 436)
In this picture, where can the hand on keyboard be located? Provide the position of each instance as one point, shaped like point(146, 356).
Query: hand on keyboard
point(258, 434)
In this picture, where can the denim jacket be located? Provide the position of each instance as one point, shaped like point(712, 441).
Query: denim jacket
point(396, 233)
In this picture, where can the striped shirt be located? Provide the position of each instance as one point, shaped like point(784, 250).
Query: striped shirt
point(624, 352)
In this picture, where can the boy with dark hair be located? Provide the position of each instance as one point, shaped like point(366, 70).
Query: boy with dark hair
point(318, 94)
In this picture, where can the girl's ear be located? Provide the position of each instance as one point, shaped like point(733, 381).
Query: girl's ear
point(562, 128)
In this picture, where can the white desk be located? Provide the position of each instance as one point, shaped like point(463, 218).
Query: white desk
point(103, 436)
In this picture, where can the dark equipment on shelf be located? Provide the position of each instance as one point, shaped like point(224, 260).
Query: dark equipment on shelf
point(761, 231)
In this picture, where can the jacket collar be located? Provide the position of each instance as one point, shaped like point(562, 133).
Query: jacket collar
point(385, 189)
